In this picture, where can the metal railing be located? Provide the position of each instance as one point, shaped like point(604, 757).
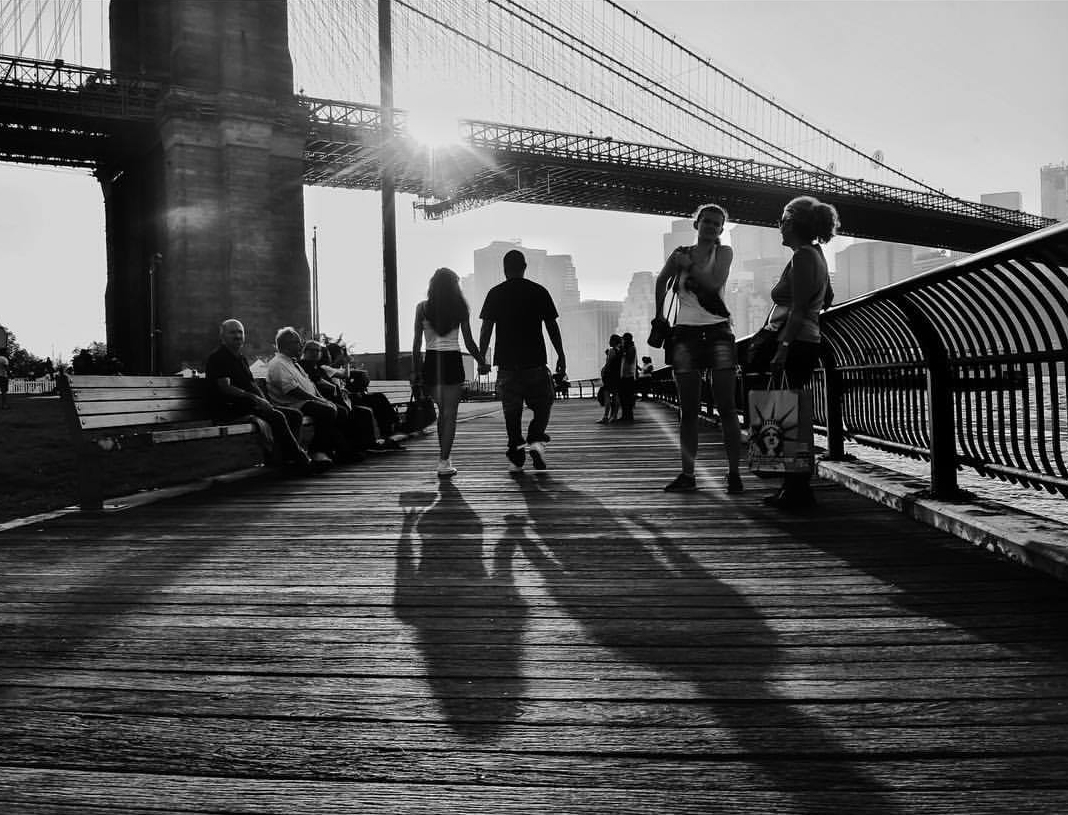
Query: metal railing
point(62, 88)
point(962, 366)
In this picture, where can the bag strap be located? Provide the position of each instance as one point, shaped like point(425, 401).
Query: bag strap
point(671, 285)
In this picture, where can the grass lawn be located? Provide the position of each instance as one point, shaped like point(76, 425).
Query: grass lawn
point(38, 470)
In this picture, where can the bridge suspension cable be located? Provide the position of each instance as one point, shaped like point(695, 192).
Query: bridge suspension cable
point(71, 30)
point(586, 67)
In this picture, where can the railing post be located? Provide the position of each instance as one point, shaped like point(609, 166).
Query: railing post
point(941, 422)
point(833, 391)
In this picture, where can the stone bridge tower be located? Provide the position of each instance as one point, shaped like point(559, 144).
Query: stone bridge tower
point(215, 188)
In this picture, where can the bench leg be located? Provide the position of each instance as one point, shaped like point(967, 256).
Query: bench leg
point(90, 477)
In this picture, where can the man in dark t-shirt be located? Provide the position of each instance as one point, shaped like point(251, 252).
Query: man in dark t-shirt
point(234, 394)
point(517, 308)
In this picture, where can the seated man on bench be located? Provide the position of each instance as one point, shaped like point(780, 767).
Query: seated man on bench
point(234, 395)
point(289, 386)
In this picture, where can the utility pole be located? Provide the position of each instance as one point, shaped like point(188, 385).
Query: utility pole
point(315, 282)
point(389, 212)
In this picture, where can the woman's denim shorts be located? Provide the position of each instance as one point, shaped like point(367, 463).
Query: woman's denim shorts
point(702, 347)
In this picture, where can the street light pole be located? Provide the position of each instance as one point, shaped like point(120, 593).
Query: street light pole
point(389, 213)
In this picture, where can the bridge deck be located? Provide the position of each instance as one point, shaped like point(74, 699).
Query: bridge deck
point(574, 642)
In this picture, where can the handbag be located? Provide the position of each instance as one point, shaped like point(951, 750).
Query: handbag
point(660, 329)
point(420, 413)
point(780, 430)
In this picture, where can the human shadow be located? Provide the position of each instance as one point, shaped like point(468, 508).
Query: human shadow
point(468, 618)
point(641, 595)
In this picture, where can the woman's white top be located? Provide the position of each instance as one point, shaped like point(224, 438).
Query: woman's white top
point(437, 342)
point(690, 310)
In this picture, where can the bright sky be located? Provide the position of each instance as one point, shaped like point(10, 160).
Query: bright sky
point(971, 97)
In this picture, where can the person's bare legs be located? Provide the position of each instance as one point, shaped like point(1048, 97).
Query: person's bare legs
point(448, 399)
point(723, 384)
point(689, 390)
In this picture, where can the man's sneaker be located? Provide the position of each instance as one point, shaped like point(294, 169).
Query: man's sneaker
point(684, 482)
point(734, 484)
point(516, 460)
point(445, 468)
point(537, 454)
point(319, 457)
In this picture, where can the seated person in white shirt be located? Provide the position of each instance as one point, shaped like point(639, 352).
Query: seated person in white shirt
point(289, 386)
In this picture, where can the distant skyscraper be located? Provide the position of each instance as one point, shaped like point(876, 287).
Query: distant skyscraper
point(1054, 179)
point(759, 258)
point(637, 313)
point(586, 328)
point(555, 272)
point(869, 265)
point(1005, 200)
point(681, 234)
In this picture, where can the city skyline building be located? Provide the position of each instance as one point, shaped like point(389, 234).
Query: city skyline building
point(1054, 185)
point(759, 258)
point(637, 313)
point(586, 328)
point(869, 265)
point(1005, 200)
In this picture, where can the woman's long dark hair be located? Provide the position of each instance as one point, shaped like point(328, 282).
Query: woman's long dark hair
point(446, 307)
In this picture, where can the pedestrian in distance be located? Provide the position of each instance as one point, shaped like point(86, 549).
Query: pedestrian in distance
point(702, 342)
point(628, 377)
point(610, 379)
point(517, 309)
point(439, 321)
point(789, 341)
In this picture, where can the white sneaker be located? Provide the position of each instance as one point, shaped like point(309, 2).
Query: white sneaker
point(319, 457)
point(537, 454)
point(445, 468)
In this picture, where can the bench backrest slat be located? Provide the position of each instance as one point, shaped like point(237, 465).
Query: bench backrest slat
point(120, 406)
point(82, 395)
point(118, 420)
point(89, 381)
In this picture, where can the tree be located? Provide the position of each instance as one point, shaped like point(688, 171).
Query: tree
point(22, 362)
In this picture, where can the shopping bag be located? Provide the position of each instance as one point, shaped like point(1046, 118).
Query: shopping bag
point(420, 413)
point(780, 432)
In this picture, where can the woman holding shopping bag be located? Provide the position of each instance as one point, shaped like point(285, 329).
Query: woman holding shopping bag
point(701, 340)
point(789, 342)
point(439, 320)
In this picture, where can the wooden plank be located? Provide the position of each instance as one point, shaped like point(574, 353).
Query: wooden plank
point(97, 408)
point(142, 418)
point(485, 789)
point(89, 396)
point(87, 381)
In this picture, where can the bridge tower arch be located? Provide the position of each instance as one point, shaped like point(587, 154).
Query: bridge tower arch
point(215, 188)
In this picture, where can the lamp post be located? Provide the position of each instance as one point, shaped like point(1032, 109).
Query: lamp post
point(389, 213)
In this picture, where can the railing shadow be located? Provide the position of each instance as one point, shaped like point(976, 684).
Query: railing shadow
point(915, 569)
point(468, 620)
point(592, 571)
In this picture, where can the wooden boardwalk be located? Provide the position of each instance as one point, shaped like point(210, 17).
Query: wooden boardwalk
point(572, 642)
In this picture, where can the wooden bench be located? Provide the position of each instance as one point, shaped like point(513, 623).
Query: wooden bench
point(109, 413)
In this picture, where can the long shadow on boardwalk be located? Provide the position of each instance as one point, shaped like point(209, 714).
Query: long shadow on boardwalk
point(450, 575)
point(632, 621)
point(101, 595)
